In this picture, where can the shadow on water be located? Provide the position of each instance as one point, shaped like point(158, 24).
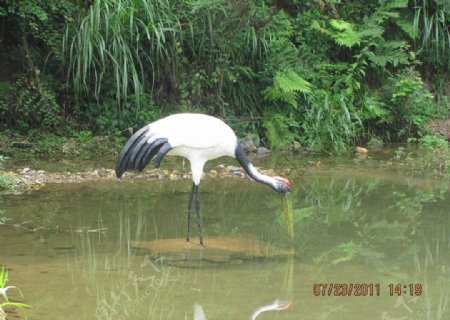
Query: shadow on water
point(369, 244)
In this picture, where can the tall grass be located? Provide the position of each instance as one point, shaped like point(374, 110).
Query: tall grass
point(175, 49)
point(432, 26)
point(130, 41)
point(330, 124)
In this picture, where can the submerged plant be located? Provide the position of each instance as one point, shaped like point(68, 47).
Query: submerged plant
point(4, 301)
point(432, 155)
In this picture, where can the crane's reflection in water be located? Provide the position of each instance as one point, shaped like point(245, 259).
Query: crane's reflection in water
point(279, 304)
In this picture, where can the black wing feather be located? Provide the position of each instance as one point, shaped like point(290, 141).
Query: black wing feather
point(125, 153)
point(161, 153)
point(137, 152)
point(139, 148)
point(148, 153)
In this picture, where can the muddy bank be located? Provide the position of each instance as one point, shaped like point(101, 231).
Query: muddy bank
point(28, 179)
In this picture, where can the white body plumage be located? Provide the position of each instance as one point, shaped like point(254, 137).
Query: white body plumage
point(196, 137)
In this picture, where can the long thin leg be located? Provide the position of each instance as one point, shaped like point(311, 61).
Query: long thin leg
point(191, 197)
point(199, 218)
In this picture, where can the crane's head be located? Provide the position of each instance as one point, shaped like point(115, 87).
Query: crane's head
point(282, 185)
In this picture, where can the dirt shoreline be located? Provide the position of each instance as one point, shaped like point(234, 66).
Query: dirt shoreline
point(24, 179)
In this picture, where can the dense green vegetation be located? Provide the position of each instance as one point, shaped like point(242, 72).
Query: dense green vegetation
point(325, 73)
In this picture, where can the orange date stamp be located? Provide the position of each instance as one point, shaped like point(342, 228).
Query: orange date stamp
point(346, 289)
point(365, 289)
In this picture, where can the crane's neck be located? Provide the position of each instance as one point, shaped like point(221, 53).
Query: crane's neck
point(251, 170)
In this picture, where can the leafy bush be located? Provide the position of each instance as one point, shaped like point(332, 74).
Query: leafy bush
point(409, 105)
point(136, 111)
point(30, 104)
point(281, 129)
point(31, 55)
point(434, 143)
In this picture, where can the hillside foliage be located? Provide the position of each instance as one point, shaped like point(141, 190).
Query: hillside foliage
point(327, 74)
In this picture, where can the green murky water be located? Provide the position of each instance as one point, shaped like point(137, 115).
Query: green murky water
point(358, 227)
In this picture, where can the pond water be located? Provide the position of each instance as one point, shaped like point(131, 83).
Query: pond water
point(370, 243)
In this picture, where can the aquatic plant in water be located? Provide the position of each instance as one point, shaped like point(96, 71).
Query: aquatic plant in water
point(4, 301)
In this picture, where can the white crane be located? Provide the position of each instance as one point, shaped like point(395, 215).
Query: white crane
point(196, 137)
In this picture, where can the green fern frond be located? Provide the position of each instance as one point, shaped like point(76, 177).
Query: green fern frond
point(348, 36)
point(396, 4)
point(371, 30)
point(290, 81)
point(273, 93)
point(317, 26)
point(383, 15)
point(388, 11)
point(346, 252)
point(286, 85)
point(343, 32)
point(341, 25)
point(407, 27)
point(393, 52)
